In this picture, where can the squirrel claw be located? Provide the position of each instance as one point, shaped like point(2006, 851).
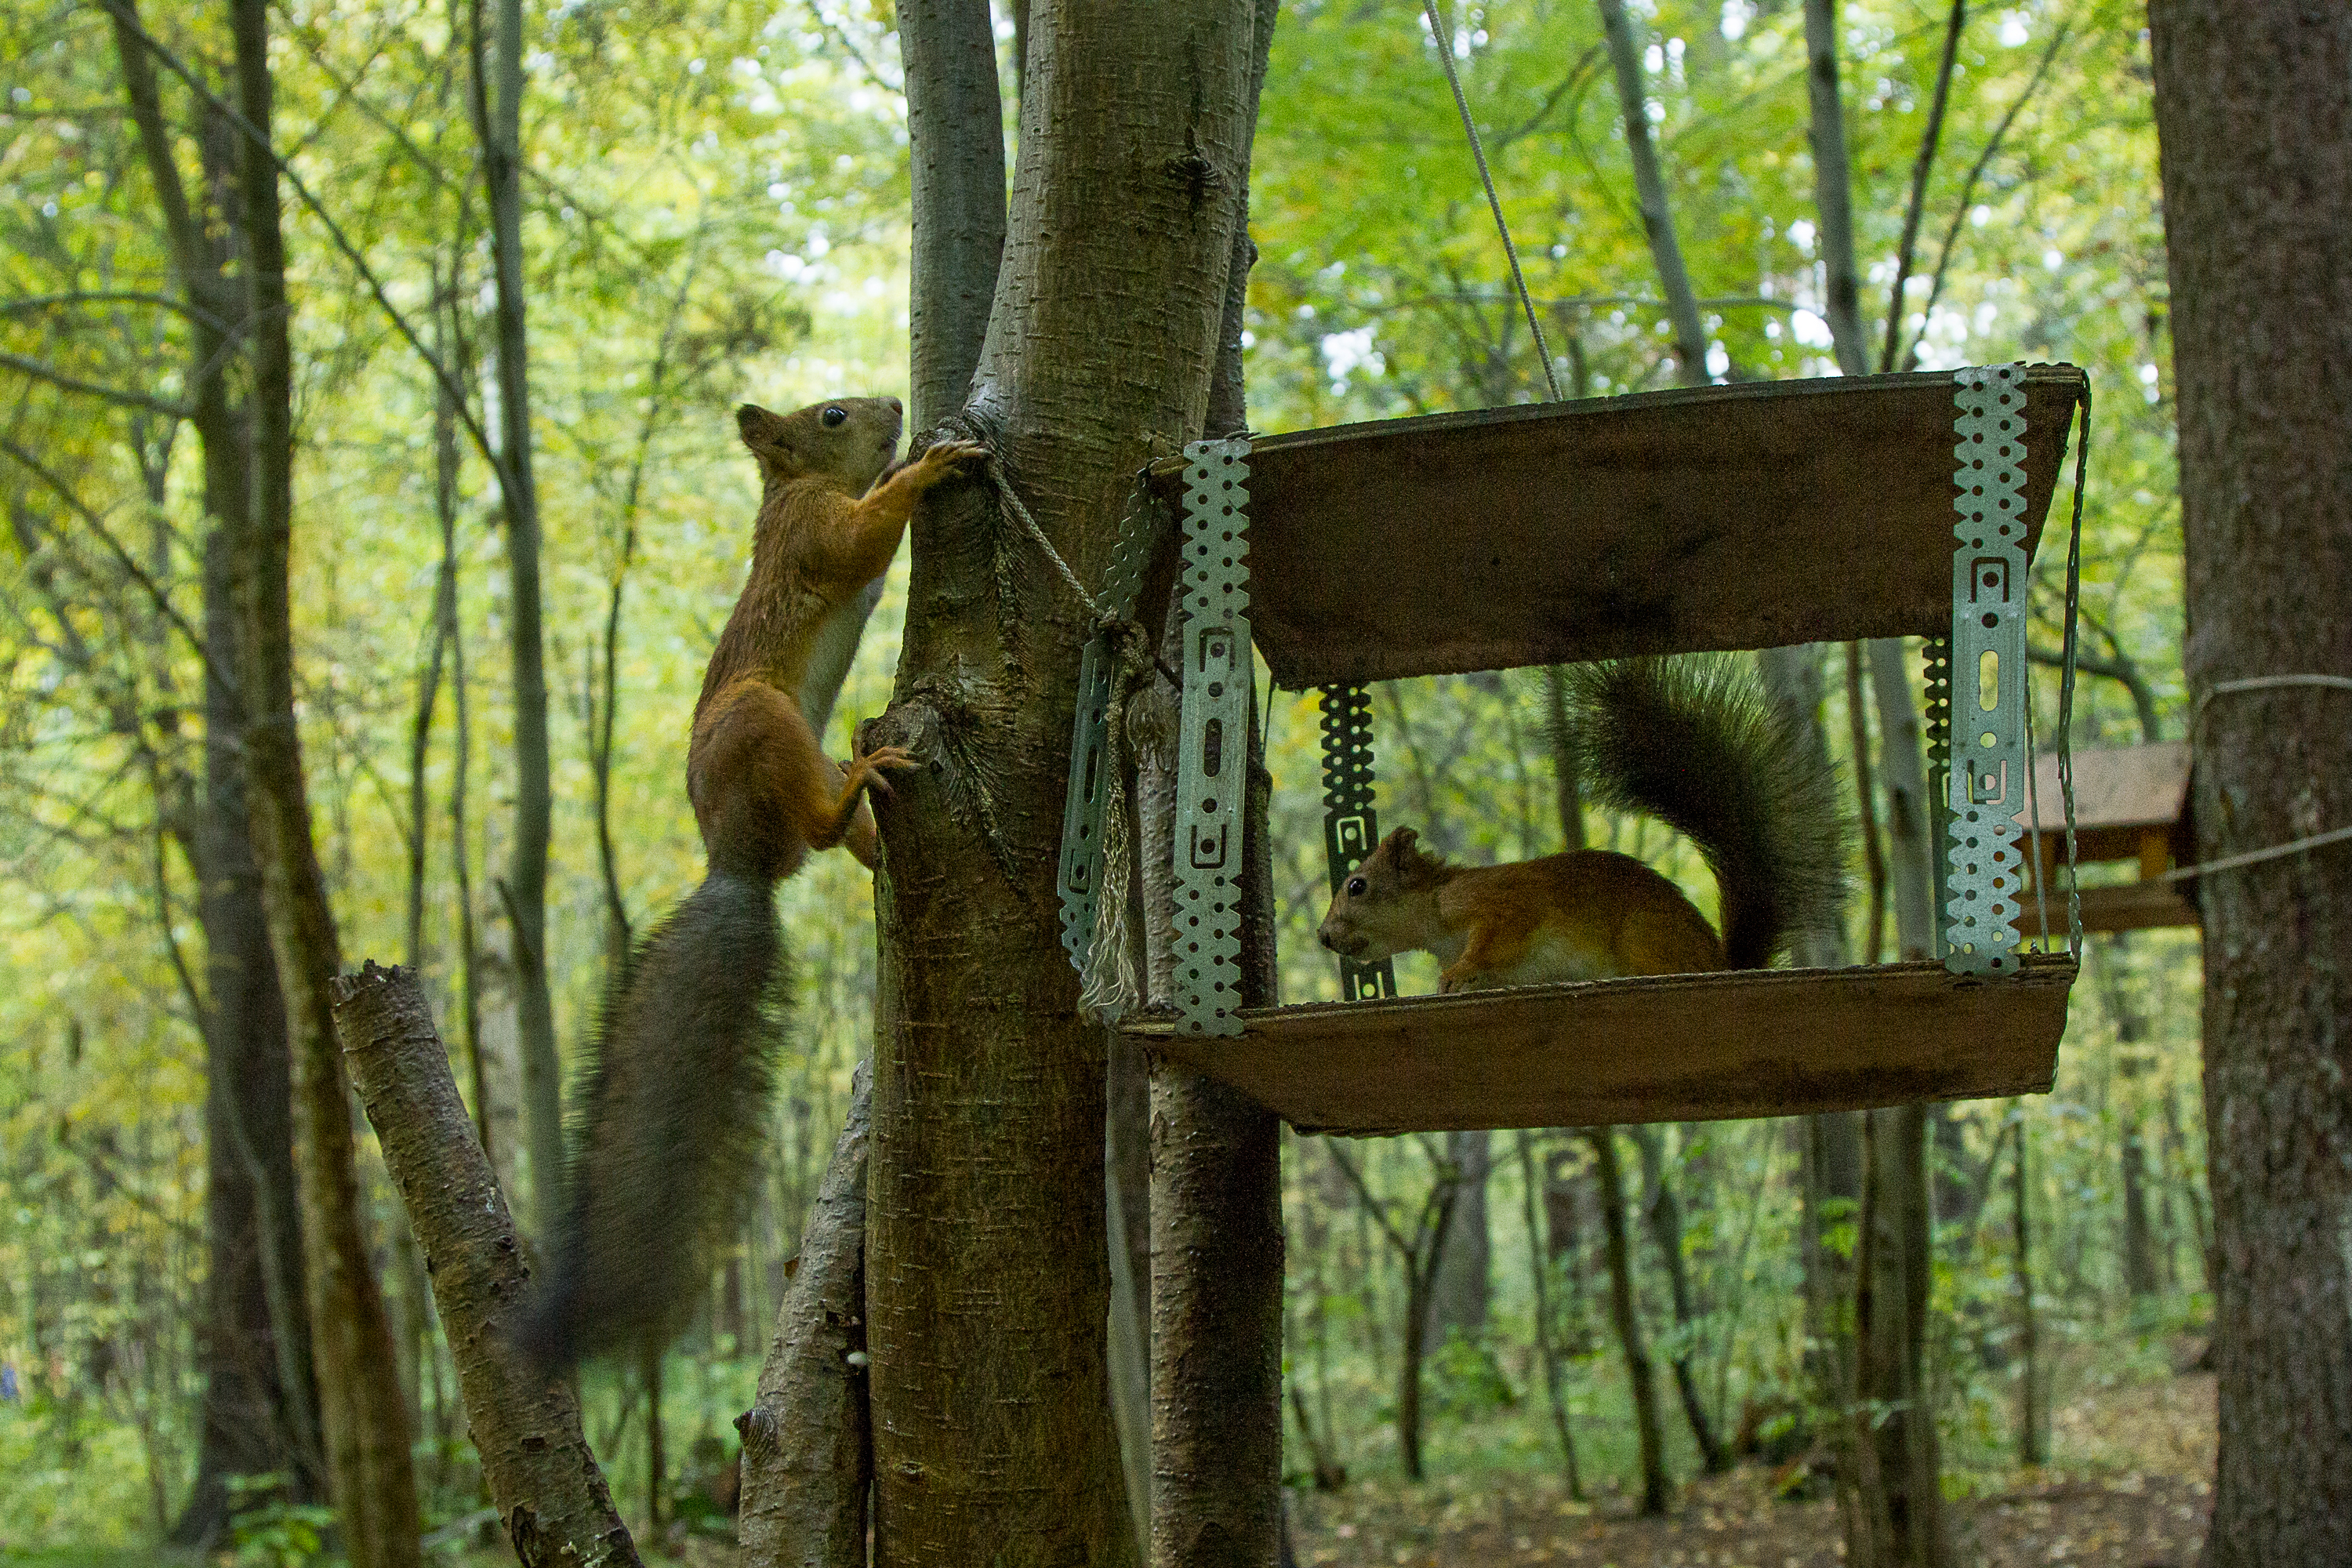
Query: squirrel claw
point(945, 454)
point(865, 771)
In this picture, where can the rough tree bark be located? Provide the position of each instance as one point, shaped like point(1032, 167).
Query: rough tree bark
point(363, 1423)
point(1213, 1157)
point(543, 1480)
point(955, 131)
point(808, 1445)
point(1216, 1285)
point(986, 1278)
point(259, 1407)
point(497, 118)
point(2254, 111)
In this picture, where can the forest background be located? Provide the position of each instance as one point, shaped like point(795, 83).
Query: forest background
point(714, 207)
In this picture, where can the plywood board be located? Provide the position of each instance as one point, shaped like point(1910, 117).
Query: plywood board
point(1685, 1047)
point(2116, 906)
point(1720, 517)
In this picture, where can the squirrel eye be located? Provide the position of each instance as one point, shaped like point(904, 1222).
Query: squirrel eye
point(833, 416)
point(1355, 886)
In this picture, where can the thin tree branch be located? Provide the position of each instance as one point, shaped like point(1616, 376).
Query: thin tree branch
point(1968, 186)
point(123, 557)
point(1372, 1205)
point(115, 394)
point(129, 20)
point(2121, 669)
point(32, 304)
point(1916, 208)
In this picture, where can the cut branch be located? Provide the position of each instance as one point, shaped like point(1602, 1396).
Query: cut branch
point(549, 1495)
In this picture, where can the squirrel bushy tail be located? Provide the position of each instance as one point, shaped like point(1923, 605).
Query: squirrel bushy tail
point(670, 1119)
point(1696, 742)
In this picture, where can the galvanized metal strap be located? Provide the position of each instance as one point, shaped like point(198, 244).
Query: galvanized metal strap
point(1990, 762)
point(1212, 745)
point(1349, 828)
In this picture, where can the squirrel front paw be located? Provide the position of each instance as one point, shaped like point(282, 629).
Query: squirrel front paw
point(865, 771)
point(941, 458)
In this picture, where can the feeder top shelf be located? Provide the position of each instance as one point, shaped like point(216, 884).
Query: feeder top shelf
point(1748, 516)
point(1683, 1048)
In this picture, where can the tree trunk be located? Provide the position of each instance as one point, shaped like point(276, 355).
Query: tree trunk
point(1833, 190)
point(1458, 1296)
point(499, 124)
point(808, 1443)
point(1655, 1488)
point(2142, 1278)
point(362, 1423)
point(986, 1269)
point(955, 130)
point(2254, 105)
point(1663, 1211)
point(2033, 1403)
point(1902, 1497)
point(544, 1482)
point(1902, 1503)
point(259, 1412)
point(1650, 188)
point(1215, 1155)
point(1541, 1250)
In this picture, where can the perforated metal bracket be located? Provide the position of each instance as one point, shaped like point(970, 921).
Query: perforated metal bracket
point(1989, 768)
point(1080, 878)
point(1212, 745)
point(1351, 831)
point(1937, 719)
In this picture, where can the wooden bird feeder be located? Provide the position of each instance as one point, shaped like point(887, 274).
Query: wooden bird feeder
point(1715, 517)
point(2131, 804)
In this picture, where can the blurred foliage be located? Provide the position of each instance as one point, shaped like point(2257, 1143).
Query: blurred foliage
point(717, 198)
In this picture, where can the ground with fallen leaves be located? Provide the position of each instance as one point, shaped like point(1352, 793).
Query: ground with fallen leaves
point(2130, 1487)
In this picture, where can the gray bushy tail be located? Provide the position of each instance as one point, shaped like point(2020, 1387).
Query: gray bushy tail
point(1696, 742)
point(669, 1124)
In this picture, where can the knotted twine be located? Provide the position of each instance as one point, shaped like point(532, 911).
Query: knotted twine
point(1109, 983)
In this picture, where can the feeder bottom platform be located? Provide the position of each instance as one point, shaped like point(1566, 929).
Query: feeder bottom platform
point(1682, 1047)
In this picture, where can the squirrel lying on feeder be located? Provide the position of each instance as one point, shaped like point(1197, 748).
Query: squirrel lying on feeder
point(1692, 741)
point(677, 1091)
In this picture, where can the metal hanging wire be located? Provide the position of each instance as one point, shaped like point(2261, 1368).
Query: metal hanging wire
point(1444, 37)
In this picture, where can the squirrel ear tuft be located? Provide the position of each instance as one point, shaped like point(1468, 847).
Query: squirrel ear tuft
point(1402, 844)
